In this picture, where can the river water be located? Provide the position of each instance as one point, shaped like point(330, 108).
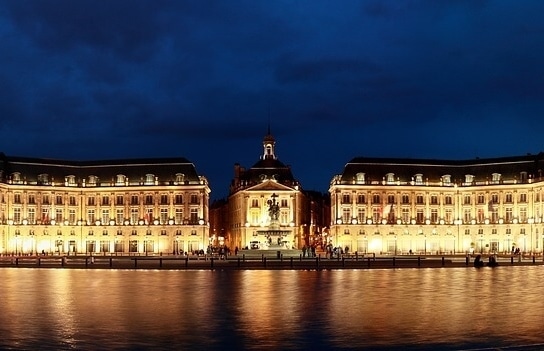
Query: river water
point(408, 309)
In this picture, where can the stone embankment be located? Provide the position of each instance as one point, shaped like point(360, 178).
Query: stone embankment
point(258, 260)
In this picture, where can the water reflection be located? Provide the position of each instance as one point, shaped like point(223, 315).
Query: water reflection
point(346, 309)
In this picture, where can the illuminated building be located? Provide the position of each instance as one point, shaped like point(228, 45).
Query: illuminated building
point(398, 206)
point(254, 193)
point(139, 206)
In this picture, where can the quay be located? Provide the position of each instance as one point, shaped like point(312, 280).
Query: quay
point(262, 259)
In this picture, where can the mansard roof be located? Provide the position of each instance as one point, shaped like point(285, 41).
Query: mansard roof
point(432, 170)
point(165, 169)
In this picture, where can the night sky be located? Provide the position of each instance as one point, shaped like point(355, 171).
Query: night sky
point(93, 80)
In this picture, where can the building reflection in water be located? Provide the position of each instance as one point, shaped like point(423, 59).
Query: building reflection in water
point(121, 309)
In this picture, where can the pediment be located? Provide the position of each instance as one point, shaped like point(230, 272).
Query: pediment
point(269, 185)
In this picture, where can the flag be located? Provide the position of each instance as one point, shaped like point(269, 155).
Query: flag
point(45, 215)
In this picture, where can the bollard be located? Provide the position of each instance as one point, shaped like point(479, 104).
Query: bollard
point(291, 265)
point(186, 261)
point(533, 258)
point(264, 261)
point(511, 259)
point(238, 262)
point(211, 259)
point(467, 259)
point(343, 262)
point(86, 262)
point(356, 256)
point(300, 257)
point(135, 262)
point(419, 261)
point(281, 257)
point(317, 262)
point(111, 262)
point(39, 261)
point(394, 263)
point(443, 261)
point(160, 262)
point(262, 257)
point(369, 262)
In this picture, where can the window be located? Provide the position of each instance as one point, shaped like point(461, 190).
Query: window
point(434, 200)
point(164, 216)
point(508, 198)
point(495, 198)
point(467, 215)
point(16, 177)
point(133, 246)
point(346, 199)
point(194, 199)
point(469, 178)
point(105, 200)
point(390, 199)
point(376, 199)
point(178, 218)
point(119, 200)
point(134, 200)
point(32, 216)
point(405, 199)
point(480, 215)
point(119, 216)
point(90, 201)
point(508, 215)
point(419, 199)
point(120, 179)
point(390, 178)
point(31, 199)
point(134, 216)
point(420, 218)
point(58, 200)
point(418, 179)
point(434, 215)
point(361, 199)
point(43, 179)
point(449, 216)
point(193, 216)
point(283, 202)
point(346, 215)
point(446, 179)
point(59, 215)
point(178, 199)
point(93, 180)
point(360, 178)
point(72, 201)
point(45, 199)
point(466, 200)
point(105, 216)
point(180, 178)
point(90, 216)
point(149, 199)
point(149, 179)
point(17, 215)
point(164, 199)
point(361, 215)
point(448, 200)
point(72, 216)
point(70, 180)
point(495, 178)
point(522, 197)
point(17, 198)
point(480, 199)
point(523, 215)
point(405, 215)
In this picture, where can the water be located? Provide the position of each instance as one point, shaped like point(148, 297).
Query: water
point(448, 309)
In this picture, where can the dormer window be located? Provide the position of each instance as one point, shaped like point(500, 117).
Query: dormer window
point(495, 178)
point(418, 178)
point(180, 178)
point(16, 178)
point(92, 180)
point(523, 177)
point(446, 179)
point(149, 179)
point(360, 178)
point(469, 178)
point(70, 180)
point(120, 179)
point(390, 178)
point(43, 179)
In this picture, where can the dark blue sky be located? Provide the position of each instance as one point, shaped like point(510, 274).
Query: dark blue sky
point(444, 79)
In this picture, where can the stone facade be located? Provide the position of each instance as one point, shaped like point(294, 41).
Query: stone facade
point(403, 206)
point(140, 206)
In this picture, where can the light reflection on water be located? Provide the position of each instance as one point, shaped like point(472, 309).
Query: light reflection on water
point(453, 308)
